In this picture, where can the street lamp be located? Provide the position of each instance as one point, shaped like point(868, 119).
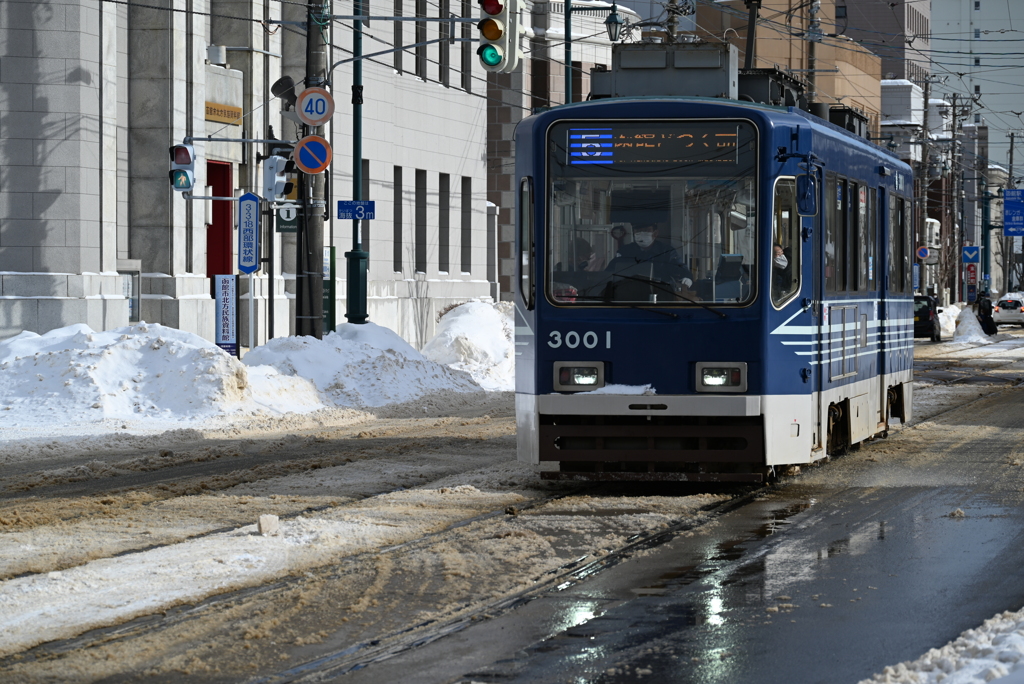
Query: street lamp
point(613, 24)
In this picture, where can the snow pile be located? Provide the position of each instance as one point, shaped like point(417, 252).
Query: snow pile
point(152, 376)
point(478, 338)
point(647, 390)
point(968, 329)
point(144, 371)
point(979, 655)
point(363, 365)
point(947, 319)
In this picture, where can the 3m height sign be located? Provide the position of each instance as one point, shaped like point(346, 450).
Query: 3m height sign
point(248, 233)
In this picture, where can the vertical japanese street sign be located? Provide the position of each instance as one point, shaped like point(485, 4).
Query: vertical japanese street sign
point(1013, 211)
point(225, 294)
point(972, 274)
point(330, 291)
point(248, 233)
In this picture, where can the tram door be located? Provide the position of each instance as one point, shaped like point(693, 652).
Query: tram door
point(819, 311)
point(882, 229)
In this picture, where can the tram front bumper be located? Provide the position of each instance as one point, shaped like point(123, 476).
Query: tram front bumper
point(648, 437)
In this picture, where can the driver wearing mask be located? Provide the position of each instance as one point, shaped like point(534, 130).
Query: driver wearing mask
point(668, 266)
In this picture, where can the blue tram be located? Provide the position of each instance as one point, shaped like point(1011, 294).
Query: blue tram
point(707, 289)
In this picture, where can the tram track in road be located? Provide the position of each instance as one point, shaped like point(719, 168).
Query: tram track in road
point(365, 654)
point(380, 632)
point(154, 623)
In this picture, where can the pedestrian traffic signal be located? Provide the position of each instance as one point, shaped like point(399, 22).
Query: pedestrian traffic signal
point(499, 35)
point(275, 184)
point(183, 167)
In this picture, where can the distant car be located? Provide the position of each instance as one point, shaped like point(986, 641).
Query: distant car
point(1009, 311)
point(926, 318)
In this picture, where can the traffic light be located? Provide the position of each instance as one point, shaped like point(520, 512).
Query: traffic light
point(275, 184)
point(183, 167)
point(499, 35)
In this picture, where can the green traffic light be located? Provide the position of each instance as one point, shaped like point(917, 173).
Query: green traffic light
point(490, 55)
point(181, 180)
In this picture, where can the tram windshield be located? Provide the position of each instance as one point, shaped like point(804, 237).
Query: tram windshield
point(651, 212)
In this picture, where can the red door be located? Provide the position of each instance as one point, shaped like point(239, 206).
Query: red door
point(219, 234)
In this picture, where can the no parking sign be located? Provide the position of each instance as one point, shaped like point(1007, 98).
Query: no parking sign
point(312, 154)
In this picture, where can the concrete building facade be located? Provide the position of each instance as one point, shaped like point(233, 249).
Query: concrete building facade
point(92, 95)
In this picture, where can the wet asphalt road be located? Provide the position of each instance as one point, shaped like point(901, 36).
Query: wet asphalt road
point(863, 562)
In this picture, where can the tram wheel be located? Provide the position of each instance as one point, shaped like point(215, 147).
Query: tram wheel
point(837, 437)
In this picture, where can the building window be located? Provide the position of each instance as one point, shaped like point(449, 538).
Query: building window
point(977, 61)
point(977, 5)
point(399, 38)
point(421, 221)
point(977, 118)
point(840, 11)
point(977, 90)
point(445, 30)
point(444, 201)
point(577, 81)
point(977, 33)
point(467, 224)
point(467, 48)
point(421, 37)
point(397, 257)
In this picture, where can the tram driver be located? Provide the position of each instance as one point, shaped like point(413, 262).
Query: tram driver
point(665, 263)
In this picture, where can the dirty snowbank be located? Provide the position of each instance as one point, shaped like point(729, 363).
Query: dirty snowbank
point(989, 652)
point(968, 329)
point(478, 338)
point(76, 387)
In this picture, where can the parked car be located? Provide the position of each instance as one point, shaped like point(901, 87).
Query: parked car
point(926, 318)
point(1009, 310)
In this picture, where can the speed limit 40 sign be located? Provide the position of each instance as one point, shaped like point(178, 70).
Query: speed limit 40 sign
point(314, 106)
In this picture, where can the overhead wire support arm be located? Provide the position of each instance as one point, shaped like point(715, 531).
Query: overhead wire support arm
point(190, 139)
point(361, 17)
point(398, 49)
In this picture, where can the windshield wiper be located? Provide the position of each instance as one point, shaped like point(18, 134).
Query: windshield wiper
point(656, 285)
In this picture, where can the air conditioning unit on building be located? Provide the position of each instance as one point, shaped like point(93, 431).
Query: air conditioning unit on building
point(932, 234)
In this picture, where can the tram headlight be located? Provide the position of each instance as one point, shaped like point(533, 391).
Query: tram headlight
point(721, 377)
point(578, 376)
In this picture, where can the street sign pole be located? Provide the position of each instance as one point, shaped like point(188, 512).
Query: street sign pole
point(249, 250)
point(355, 309)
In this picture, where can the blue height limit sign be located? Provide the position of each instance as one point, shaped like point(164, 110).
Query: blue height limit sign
point(1013, 212)
point(356, 210)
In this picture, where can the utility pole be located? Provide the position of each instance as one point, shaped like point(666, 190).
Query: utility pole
point(1009, 255)
point(951, 266)
point(924, 183)
point(309, 271)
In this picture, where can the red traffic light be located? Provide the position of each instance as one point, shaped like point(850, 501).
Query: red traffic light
point(492, 7)
point(181, 154)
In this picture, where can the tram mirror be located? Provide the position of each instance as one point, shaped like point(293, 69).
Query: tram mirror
point(806, 196)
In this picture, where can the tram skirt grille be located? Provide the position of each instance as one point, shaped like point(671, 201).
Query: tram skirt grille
point(720, 440)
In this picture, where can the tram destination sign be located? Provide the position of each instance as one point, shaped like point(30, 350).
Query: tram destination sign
point(654, 142)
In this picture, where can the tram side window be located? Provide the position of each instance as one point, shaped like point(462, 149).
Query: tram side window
point(908, 245)
point(831, 235)
point(785, 239)
point(899, 258)
point(859, 246)
point(871, 236)
point(526, 241)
